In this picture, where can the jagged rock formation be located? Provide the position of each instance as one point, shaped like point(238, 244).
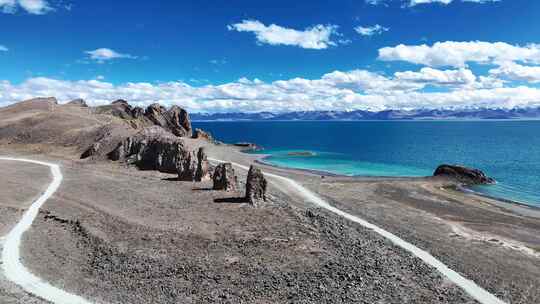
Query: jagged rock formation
point(175, 119)
point(224, 178)
point(154, 148)
point(201, 134)
point(179, 122)
point(464, 175)
point(151, 149)
point(124, 110)
point(255, 186)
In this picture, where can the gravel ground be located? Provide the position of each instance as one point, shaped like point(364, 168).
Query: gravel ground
point(20, 184)
point(119, 235)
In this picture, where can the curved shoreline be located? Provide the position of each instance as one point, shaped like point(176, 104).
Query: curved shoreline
point(470, 287)
point(501, 200)
point(12, 266)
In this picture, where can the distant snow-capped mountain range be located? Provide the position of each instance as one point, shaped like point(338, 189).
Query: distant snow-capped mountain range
point(472, 114)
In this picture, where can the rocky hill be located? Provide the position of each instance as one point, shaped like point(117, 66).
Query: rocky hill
point(152, 138)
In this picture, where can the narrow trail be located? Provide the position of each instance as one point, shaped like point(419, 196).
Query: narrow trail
point(471, 288)
point(12, 266)
point(15, 271)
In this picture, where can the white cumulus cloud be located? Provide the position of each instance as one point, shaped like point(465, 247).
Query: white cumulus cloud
point(376, 29)
point(316, 37)
point(3, 48)
point(104, 54)
point(36, 7)
point(338, 90)
point(514, 71)
point(458, 54)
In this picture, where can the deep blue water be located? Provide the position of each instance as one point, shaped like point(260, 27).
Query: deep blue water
point(509, 151)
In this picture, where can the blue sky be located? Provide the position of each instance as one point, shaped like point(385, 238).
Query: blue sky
point(259, 55)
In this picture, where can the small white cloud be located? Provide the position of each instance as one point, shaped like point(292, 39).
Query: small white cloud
point(317, 37)
point(411, 3)
point(102, 55)
point(36, 7)
point(100, 77)
point(3, 48)
point(218, 61)
point(371, 30)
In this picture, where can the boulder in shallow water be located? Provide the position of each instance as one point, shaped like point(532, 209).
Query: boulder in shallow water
point(468, 176)
point(224, 178)
point(255, 186)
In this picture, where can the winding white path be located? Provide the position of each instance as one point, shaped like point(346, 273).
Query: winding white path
point(471, 288)
point(13, 269)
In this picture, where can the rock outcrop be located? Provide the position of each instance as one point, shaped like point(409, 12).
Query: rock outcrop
point(78, 102)
point(175, 119)
point(203, 166)
point(179, 122)
point(248, 146)
point(201, 134)
point(91, 151)
point(121, 108)
point(224, 178)
point(464, 175)
point(154, 148)
point(255, 186)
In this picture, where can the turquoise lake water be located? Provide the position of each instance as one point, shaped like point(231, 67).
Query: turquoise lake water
point(509, 151)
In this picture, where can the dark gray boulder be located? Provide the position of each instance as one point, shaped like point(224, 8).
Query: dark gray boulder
point(255, 186)
point(91, 151)
point(468, 176)
point(152, 149)
point(203, 166)
point(187, 166)
point(224, 178)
